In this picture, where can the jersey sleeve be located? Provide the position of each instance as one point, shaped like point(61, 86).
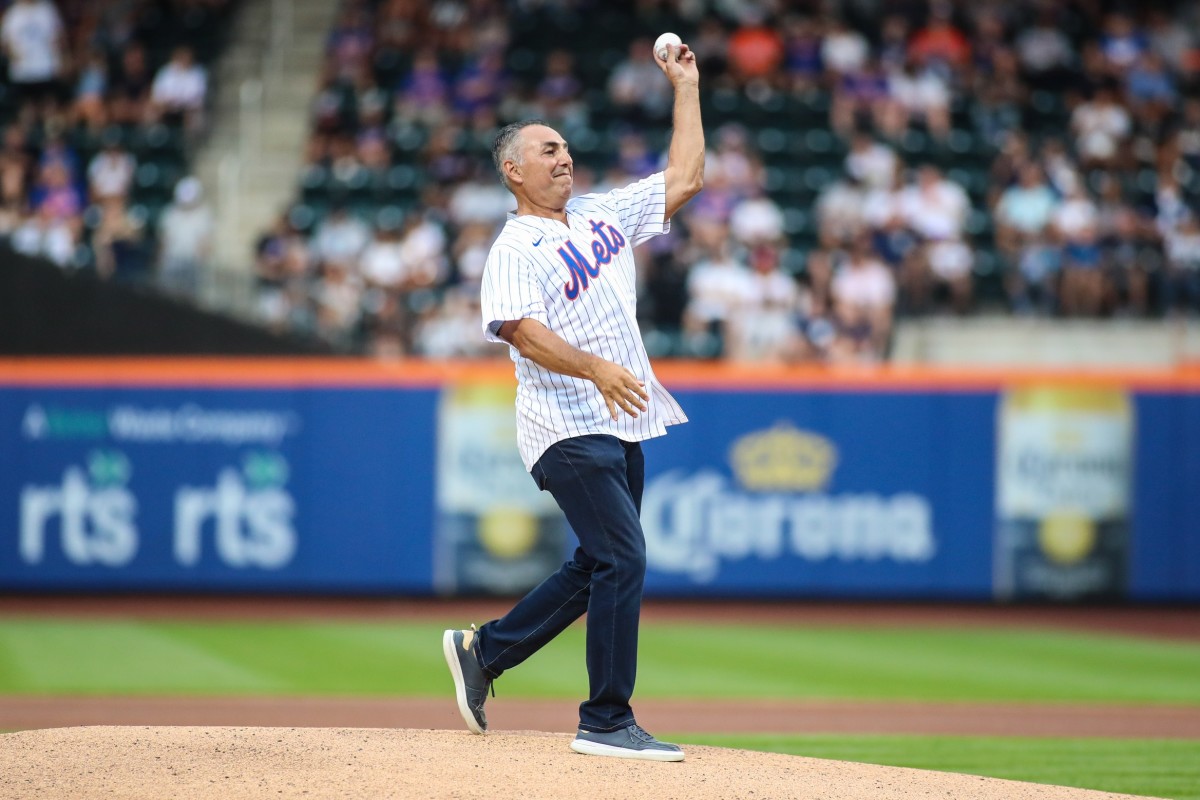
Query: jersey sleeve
point(641, 207)
point(510, 290)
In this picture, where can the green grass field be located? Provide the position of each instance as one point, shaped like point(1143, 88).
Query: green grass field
point(678, 660)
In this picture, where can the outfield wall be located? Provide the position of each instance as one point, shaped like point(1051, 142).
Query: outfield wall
point(324, 476)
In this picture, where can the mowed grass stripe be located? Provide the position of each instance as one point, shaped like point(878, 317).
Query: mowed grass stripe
point(122, 657)
point(53, 656)
point(920, 663)
point(1156, 767)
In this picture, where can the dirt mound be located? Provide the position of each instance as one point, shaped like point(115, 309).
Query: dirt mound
point(237, 763)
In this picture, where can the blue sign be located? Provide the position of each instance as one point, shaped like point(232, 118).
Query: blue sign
point(781, 493)
point(315, 489)
point(823, 494)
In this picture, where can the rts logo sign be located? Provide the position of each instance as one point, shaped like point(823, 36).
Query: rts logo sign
point(250, 512)
point(247, 513)
point(94, 509)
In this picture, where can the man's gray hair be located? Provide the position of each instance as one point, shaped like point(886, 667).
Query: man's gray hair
point(506, 147)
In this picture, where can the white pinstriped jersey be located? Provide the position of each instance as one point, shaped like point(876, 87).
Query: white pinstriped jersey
point(579, 281)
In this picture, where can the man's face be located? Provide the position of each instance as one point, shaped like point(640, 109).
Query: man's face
point(546, 170)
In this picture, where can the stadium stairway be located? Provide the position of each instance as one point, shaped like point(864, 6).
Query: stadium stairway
point(995, 340)
point(251, 162)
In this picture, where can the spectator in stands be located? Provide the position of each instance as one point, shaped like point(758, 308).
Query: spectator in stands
point(1150, 90)
point(916, 93)
point(16, 169)
point(1045, 53)
point(717, 285)
point(351, 41)
point(871, 163)
point(1023, 217)
point(1172, 40)
point(118, 242)
point(1181, 283)
point(49, 235)
point(33, 39)
point(840, 209)
point(1129, 252)
point(423, 95)
point(55, 192)
point(736, 159)
point(862, 97)
point(480, 84)
point(338, 302)
point(1101, 126)
point(451, 329)
point(844, 51)
point(1122, 43)
point(756, 49)
point(470, 253)
point(180, 90)
point(804, 66)
point(110, 173)
point(185, 238)
point(90, 107)
point(939, 44)
point(633, 155)
point(756, 219)
point(561, 92)
point(341, 236)
point(935, 210)
point(129, 87)
point(480, 200)
point(864, 293)
point(764, 326)
point(636, 87)
point(1081, 290)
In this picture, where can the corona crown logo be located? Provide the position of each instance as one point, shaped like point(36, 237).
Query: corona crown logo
point(783, 459)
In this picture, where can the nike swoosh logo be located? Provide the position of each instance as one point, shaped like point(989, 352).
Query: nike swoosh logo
point(539, 241)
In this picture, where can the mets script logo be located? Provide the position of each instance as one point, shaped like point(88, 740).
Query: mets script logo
point(608, 243)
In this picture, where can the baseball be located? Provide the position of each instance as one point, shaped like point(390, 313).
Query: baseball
point(660, 45)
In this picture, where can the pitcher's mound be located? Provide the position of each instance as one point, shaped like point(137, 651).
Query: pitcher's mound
point(237, 763)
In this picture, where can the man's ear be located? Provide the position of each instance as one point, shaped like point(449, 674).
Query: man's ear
point(513, 170)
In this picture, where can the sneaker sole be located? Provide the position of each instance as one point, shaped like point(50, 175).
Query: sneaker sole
point(460, 686)
point(597, 749)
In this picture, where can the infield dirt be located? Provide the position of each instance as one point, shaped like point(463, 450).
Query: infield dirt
point(254, 763)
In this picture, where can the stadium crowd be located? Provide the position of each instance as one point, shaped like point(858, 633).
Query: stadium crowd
point(869, 159)
point(1084, 115)
point(98, 101)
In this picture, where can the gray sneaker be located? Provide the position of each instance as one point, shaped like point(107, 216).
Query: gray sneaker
point(631, 742)
point(471, 685)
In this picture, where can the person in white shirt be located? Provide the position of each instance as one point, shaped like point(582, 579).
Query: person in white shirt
point(935, 209)
point(763, 327)
point(180, 90)
point(716, 285)
point(1101, 125)
point(864, 291)
point(341, 236)
point(560, 288)
point(185, 233)
point(110, 172)
point(31, 33)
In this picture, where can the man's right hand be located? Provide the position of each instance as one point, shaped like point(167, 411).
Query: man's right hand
point(620, 387)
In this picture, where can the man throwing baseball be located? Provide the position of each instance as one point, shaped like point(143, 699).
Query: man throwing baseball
point(559, 287)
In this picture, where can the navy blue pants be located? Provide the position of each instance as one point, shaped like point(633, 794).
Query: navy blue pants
point(597, 482)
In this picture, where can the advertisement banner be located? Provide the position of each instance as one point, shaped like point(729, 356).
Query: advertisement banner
point(496, 533)
point(826, 494)
point(172, 489)
point(1043, 490)
point(1064, 478)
